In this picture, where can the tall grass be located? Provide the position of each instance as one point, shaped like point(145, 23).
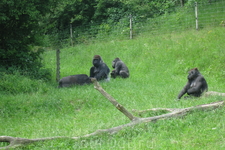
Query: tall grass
point(158, 65)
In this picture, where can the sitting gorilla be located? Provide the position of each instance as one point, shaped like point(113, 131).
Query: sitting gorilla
point(100, 70)
point(120, 69)
point(79, 79)
point(196, 84)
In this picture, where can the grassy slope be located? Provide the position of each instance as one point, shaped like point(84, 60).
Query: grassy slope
point(158, 65)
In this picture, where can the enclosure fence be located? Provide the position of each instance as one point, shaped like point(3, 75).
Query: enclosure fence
point(193, 16)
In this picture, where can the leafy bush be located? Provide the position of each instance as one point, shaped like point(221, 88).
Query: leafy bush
point(20, 31)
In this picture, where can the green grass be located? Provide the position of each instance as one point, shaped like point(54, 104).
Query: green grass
point(158, 67)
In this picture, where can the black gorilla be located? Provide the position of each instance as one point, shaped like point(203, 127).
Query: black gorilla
point(79, 79)
point(196, 84)
point(120, 69)
point(100, 70)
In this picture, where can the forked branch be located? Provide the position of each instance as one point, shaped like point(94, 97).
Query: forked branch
point(16, 141)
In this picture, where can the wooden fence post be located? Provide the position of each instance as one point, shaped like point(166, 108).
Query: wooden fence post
point(57, 65)
point(196, 15)
point(131, 34)
point(71, 35)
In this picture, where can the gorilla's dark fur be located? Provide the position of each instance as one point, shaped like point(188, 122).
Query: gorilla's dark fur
point(79, 79)
point(196, 84)
point(99, 70)
point(120, 69)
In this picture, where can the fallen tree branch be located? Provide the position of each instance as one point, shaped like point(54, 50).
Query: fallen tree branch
point(139, 112)
point(113, 101)
point(16, 141)
point(213, 93)
point(203, 107)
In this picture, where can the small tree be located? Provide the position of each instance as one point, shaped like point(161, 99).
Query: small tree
point(21, 29)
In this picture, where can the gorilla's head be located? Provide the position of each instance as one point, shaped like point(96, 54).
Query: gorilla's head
point(114, 62)
point(97, 60)
point(193, 73)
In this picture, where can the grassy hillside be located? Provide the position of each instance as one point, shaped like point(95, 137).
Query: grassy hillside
point(158, 66)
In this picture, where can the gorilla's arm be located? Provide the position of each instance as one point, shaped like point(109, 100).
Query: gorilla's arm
point(118, 67)
point(103, 72)
point(197, 88)
point(92, 74)
point(184, 90)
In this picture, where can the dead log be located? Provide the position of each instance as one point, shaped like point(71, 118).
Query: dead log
point(174, 112)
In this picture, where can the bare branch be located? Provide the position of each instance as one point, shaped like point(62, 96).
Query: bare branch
point(213, 93)
point(112, 100)
point(154, 109)
point(16, 142)
point(174, 112)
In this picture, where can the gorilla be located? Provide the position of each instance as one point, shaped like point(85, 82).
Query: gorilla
point(79, 79)
point(120, 69)
point(196, 84)
point(99, 70)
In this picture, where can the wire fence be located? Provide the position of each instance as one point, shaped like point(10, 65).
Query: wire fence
point(191, 16)
point(194, 16)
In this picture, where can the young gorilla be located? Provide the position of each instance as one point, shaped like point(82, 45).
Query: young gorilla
point(196, 84)
point(100, 70)
point(120, 69)
point(79, 79)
